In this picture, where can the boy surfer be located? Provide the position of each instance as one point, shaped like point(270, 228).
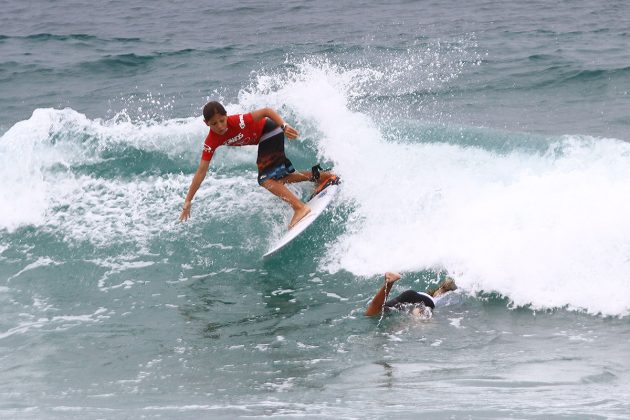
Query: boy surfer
point(266, 128)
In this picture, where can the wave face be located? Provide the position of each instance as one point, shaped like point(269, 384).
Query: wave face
point(485, 140)
point(541, 220)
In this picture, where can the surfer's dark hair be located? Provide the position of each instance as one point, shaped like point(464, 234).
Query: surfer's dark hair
point(212, 108)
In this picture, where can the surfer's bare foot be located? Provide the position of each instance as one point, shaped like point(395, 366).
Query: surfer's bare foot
point(299, 215)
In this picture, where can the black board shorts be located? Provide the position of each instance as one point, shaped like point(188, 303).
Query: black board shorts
point(272, 162)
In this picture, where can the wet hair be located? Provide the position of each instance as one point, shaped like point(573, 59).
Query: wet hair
point(212, 108)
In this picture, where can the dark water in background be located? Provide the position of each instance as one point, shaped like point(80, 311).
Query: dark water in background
point(547, 68)
point(485, 139)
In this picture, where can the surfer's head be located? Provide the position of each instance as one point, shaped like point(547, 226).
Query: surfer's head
point(215, 117)
point(212, 108)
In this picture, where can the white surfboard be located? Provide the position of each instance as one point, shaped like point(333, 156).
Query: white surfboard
point(317, 204)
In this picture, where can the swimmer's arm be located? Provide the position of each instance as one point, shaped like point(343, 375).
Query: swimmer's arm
point(375, 306)
point(194, 186)
point(289, 131)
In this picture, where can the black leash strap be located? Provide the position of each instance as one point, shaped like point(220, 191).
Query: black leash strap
point(315, 171)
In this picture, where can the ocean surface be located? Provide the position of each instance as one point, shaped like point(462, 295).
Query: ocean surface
point(486, 140)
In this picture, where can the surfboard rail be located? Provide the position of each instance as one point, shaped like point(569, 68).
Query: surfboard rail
point(318, 204)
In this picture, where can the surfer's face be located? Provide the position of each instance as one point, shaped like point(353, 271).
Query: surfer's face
point(218, 123)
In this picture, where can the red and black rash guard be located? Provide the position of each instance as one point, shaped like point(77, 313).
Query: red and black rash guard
point(242, 131)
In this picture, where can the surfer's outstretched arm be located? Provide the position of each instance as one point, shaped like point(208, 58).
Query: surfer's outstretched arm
point(376, 305)
point(194, 186)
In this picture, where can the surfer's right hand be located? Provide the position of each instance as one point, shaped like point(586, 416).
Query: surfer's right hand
point(185, 214)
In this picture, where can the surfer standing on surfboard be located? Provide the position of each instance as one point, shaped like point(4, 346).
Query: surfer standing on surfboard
point(265, 128)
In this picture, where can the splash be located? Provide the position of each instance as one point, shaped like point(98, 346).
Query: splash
point(544, 225)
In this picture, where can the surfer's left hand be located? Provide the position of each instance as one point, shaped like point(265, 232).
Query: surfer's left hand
point(185, 214)
point(290, 132)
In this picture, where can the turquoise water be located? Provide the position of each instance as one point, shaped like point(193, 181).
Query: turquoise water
point(488, 141)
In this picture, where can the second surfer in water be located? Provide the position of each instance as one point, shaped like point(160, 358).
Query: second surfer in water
point(416, 303)
point(266, 128)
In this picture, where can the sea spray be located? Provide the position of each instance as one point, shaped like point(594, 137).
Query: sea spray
point(543, 225)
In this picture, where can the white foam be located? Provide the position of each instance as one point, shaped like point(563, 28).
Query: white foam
point(41, 262)
point(118, 265)
point(38, 154)
point(335, 296)
point(548, 229)
point(59, 322)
